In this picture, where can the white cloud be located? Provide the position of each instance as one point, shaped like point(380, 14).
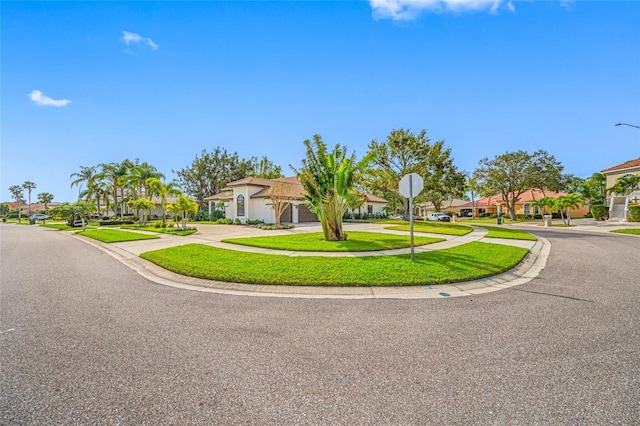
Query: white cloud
point(41, 99)
point(408, 9)
point(129, 38)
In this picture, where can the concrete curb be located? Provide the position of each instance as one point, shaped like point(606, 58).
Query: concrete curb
point(531, 266)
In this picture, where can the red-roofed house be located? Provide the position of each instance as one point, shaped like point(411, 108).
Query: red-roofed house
point(619, 203)
point(496, 204)
point(248, 199)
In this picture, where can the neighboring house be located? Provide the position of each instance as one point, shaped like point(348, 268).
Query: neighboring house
point(496, 204)
point(35, 207)
point(155, 213)
point(447, 206)
point(249, 199)
point(619, 203)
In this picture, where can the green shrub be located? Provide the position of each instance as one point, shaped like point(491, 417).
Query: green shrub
point(116, 222)
point(224, 221)
point(255, 222)
point(598, 211)
point(237, 222)
point(634, 212)
point(270, 227)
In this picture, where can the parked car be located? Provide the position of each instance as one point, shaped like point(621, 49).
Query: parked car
point(78, 223)
point(39, 217)
point(418, 218)
point(439, 217)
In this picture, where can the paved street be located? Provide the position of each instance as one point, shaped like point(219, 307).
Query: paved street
point(86, 340)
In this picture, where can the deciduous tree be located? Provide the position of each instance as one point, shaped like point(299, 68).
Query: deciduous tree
point(513, 173)
point(210, 172)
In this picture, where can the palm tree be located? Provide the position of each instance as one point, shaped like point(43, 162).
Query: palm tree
point(184, 205)
point(157, 187)
point(142, 206)
point(328, 180)
point(568, 203)
point(28, 185)
point(17, 192)
point(114, 176)
point(84, 176)
point(45, 198)
point(624, 185)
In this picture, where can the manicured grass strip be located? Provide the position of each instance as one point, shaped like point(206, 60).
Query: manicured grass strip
point(167, 230)
point(356, 241)
point(444, 228)
point(115, 236)
point(508, 233)
point(627, 231)
point(60, 226)
point(461, 263)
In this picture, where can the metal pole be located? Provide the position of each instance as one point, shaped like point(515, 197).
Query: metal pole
point(411, 213)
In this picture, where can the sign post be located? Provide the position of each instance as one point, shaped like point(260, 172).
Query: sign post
point(411, 185)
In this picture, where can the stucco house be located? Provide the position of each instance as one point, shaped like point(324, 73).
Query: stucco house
point(619, 203)
point(495, 204)
point(447, 206)
point(249, 199)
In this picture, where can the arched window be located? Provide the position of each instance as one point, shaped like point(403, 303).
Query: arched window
point(240, 206)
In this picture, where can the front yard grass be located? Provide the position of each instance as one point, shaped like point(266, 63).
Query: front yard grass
point(167, 230)
point(444, 228)
point(115, 236)
point(635, 231)
point(461, 263)
point(357, 241)
point(508, 233)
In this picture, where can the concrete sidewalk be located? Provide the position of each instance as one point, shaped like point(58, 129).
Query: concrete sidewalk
point(128, 253)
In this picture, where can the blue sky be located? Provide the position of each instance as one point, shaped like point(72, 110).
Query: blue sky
point(84, 83)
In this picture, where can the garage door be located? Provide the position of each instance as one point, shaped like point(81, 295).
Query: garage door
point(287, 215)
point(306, 215)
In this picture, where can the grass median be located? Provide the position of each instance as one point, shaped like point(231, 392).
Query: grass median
point(444, 228)
point(115, 236)
point(461, 263)
point(357, 241)
point(507, 233)
point(627, 231)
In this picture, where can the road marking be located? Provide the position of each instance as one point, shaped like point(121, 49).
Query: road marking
point(6, 331)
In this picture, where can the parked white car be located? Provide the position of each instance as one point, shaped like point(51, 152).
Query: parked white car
point(439, 217)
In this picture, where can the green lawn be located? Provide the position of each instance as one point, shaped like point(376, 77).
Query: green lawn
point(444, 228)
point(635, 231)
point(508, 233)
point(357, 241)
point(461, 263)
point(168, 230)
point(115, 236)
point(60, 226)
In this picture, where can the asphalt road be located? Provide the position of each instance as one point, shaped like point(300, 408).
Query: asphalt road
point(85, 340)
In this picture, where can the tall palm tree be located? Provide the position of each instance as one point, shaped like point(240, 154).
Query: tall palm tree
point(45, 198)
point(29, 186)
point(136, 180)
point(84, 176)
point(114, 174)
point(17, 191)
point(162, 190)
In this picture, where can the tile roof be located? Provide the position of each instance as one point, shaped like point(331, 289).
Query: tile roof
point(525, 197)
point(626, 165)
point(289, 186)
